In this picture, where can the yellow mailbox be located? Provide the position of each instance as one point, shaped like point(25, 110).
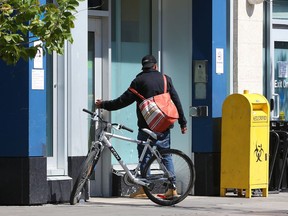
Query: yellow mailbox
point(245, 144)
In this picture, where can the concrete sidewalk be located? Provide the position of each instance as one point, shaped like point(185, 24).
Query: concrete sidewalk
point(275, 204)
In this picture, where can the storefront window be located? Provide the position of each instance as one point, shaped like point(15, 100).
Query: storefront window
point(281, 76)
point(280, 9)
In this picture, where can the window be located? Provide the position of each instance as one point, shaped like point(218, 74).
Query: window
point(98, 4)
point(280, 9)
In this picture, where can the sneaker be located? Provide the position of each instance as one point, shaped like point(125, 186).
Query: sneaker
point(139, 194)
point(169, 195)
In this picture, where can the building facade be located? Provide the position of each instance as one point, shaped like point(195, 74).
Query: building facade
point(45, 135)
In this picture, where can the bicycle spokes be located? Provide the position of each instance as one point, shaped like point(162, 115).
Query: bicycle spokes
point(172, 186)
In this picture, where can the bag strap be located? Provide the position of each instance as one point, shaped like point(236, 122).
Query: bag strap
point(141, 97)
point(165, 83)
point(136, 93)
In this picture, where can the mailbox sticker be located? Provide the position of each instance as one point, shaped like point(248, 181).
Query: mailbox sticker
point(260, 118)
point(259, 152)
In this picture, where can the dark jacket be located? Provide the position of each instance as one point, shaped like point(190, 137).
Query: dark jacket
point(148, 83)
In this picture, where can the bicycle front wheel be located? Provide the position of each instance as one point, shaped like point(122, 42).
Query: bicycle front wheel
point(85, 172)
point(169, 191)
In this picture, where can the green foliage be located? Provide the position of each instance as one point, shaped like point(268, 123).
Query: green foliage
point(22, 22)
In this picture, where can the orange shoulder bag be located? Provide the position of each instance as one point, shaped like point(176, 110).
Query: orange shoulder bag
point(158, 111)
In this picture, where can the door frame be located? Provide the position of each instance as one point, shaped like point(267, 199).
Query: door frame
point(102, 179)
point(56, 164)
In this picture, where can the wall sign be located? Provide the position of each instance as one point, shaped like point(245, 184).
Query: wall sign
point(38, 79)
point(282, 69)
point(219, 60)
point(38, 59)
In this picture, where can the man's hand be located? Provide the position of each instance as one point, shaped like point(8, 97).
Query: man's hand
point(183, 130)
point(98, 103)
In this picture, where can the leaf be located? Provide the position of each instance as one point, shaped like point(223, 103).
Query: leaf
point(8, 38)
point(24, 21)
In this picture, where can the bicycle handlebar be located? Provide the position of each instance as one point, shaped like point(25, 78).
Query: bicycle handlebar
point(88, 111)
point(126, 128)
point(119, 125)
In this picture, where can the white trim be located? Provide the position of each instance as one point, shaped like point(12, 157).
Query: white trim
point(279, 22)
point(160, 34)
point(118, 167)
point(98, 13)
point(77, 81)
point(57, 178)
point(231, 40)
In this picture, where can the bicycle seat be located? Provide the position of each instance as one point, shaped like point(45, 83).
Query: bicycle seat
point(154, 135)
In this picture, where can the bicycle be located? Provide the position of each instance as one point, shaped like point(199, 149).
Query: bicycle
point(155, 178)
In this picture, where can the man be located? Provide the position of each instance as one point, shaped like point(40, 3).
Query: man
point(148, 83)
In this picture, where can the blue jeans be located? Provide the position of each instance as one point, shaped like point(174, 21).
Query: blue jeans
point(161, 144)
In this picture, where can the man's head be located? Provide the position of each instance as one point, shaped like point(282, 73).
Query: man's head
point(148, 61)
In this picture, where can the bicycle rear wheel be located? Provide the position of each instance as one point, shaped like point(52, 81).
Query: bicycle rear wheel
point(85, 172)
point(158, 178)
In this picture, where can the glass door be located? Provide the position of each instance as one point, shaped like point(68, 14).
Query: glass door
point(94, 66)
point(280, 74)
point(131, 40)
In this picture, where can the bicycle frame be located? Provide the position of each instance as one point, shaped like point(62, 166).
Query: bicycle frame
point(105, 136)
point(159, 183)
point(104, 139)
